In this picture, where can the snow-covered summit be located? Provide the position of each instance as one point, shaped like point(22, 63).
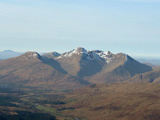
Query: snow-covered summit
point(56, 53)
point(80, 50)
point(88, 55)
point(31, 55)
point(107, 56)
point(76, 51)
point(52, 54)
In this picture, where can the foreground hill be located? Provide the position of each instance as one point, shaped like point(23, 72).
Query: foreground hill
point(98, 66)
point(30, 69)
point(114, 102)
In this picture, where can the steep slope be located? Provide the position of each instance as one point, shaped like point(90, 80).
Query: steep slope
point(120, 68)
point(79, 62)
point(30, 69)
point(98, 66)
point(70, 64)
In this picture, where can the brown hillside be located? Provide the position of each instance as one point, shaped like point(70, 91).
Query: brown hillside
point(30, 69)
point(121, 68)
point(148, 77)
point(98, 66)
point(115, 102)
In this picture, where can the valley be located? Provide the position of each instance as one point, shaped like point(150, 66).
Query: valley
point(94, 102)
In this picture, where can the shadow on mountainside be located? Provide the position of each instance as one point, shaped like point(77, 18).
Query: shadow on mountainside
point(89, 68)
point(54, 64)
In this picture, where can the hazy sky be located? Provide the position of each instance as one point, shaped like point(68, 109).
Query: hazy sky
point(128, 26)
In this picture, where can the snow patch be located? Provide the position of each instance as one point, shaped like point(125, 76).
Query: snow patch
point(126, 56)
point(77, 51)
point(30, 55)
point(88, 55)
point(54, 54)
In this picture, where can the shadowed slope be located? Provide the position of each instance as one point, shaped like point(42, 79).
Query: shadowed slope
point(54, 64)
point(120, 68)
point(98, 66)
point(30, 69)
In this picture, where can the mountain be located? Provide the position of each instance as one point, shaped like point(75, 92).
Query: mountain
point(152, 62)
point(98, 66)
point(31, 69)
point(77, 61)
point(51, 54)
point(148, 77)
point(9, 54)
point(119, 69)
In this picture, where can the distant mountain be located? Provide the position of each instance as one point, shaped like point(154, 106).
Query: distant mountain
point(9, 54)
point(151, 62)
point(31, 69)
point(148, 77)
point(98, 66)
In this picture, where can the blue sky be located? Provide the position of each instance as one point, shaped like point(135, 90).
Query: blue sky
point(128, 26)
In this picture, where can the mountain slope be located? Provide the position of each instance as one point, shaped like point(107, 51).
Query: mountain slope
point(79, 62)
point(121, 67)
point(30, 69)
point(148, 77)
point(98, 66)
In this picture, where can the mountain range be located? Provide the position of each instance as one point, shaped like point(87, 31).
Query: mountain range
point(151, 62)
point(72, 69)
point(30, 69)
point(98, 66)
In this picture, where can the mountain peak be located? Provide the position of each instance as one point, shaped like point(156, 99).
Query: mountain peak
point(6, 51)
point(88, 55)
point(55, 53)
point(80, 50)
point(52, 54)
point(31, 55)
point(109, 53)
point(76, 51)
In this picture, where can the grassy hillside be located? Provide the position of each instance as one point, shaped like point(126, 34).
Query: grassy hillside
point(30, 69)
point(148, 77)
point(115, 102)
point(95, 102)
